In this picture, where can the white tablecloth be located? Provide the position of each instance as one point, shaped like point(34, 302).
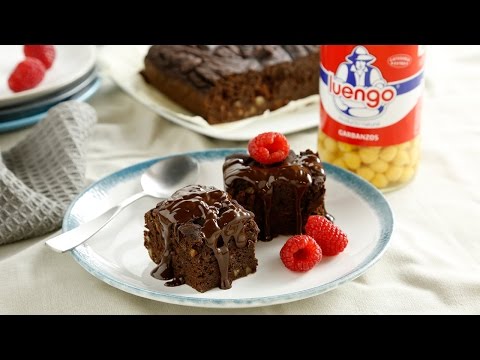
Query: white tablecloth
point(431, 266)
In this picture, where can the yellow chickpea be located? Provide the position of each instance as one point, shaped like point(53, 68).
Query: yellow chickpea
point(414, 155)
point(352, 160)
point(404, 146)
point(380, 181)
point(388, 153)
point(401, 159)
point(407, 174)
point(330, 144)
point(416, 142)
point(344, 147)
point(321, 147)
point(366, 173)
point(328, 156)
point(379, 166)
point(368, 154)
point(339, 162)
point(393, 173)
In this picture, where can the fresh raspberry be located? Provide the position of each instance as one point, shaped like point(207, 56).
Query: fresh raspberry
point(28, 74)
point(300, 253)
point(330, 237)
point(44, 53)
point(269, 148)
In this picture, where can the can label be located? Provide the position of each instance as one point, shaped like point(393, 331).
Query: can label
point(371, 94)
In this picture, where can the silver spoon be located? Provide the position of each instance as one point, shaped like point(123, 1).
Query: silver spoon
point(160, 180)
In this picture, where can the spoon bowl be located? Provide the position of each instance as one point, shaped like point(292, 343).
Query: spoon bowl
point(166, 176)
point(160, 180)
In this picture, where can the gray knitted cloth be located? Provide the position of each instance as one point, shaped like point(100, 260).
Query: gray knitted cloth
point(41, 175)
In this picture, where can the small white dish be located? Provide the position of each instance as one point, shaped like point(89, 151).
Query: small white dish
point(124, 63)
point(116, 255)
point(71, 63)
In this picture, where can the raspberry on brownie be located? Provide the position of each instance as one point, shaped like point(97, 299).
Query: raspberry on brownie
point(269, 148)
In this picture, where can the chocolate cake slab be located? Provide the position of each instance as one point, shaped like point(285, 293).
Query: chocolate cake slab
point(281, 195)
point(224, 83)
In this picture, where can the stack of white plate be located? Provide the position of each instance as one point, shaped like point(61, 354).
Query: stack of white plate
point(73, 76)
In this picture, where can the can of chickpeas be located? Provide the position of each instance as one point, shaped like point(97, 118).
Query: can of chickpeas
point(370, 105)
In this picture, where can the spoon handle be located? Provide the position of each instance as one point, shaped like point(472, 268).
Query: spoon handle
point(71, 239)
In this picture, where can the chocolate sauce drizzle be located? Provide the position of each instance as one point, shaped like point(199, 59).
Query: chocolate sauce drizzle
point(222, 219)
point(297, 170)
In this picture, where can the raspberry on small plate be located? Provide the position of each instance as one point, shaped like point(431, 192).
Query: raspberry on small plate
point(45, 53)
point(26, 75)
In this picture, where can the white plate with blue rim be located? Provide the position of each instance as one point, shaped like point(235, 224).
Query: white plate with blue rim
point(116, 255)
